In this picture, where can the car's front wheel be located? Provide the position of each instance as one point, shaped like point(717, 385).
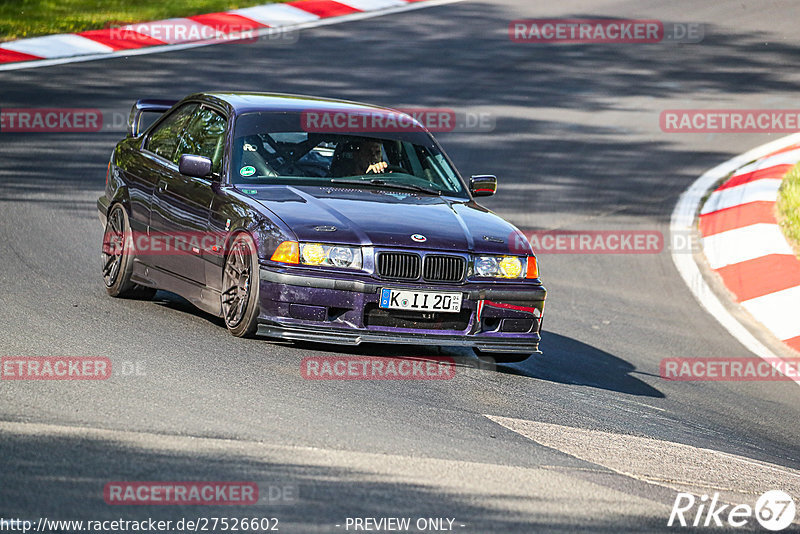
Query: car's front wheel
point(117, 257)
point(240, 287)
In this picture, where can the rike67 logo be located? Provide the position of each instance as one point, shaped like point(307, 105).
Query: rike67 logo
point(774, 510)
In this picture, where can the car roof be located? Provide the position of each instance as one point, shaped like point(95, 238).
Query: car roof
point(253, 102)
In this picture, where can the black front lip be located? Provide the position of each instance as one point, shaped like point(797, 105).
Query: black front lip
point(356, 337)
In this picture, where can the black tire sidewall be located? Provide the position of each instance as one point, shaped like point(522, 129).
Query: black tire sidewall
point(122, 285)
point(249, 324)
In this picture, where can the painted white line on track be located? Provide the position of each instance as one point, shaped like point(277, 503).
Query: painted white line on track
point(185, 46)
point(682, 221)
point(664, 463)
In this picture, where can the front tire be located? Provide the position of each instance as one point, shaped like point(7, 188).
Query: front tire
point(240, 287)
point(117, 257)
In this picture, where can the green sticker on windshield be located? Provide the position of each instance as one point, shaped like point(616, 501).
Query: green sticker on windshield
point(247, 171)
point(250, 191)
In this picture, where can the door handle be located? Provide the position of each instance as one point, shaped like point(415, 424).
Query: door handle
point(162, 186)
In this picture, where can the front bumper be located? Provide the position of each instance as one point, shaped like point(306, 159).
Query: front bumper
point(499, 317)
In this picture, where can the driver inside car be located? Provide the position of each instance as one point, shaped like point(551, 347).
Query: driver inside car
point(356, 157)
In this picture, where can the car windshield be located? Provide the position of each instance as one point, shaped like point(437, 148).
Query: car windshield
point(287, 148)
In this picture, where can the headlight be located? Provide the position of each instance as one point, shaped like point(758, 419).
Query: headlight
point(330, 255)
point(509, 267)
point(312, 254)
point(486, 266)
point(342, 256)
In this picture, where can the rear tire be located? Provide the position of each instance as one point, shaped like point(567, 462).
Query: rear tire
point(117, 257)
point(240, 287)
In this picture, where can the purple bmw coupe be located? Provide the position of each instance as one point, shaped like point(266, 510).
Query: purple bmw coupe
point(312, 219)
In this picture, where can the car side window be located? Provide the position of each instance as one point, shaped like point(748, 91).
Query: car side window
point(205, 136)
point(164, 139)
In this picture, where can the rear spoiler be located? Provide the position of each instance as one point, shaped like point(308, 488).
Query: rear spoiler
point(146, 105)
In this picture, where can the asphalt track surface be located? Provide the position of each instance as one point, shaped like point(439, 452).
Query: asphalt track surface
point(576, 145)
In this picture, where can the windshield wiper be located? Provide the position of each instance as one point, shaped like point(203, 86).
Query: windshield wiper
point(389, 185)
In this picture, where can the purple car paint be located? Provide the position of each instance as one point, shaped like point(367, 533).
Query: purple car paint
point(239, 165)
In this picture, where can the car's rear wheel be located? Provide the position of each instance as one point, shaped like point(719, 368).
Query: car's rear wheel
point(240, 287)
point(117, 257)
point(503, 357)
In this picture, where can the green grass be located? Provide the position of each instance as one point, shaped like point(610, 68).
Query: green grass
point(789, 207)
point(29, 18)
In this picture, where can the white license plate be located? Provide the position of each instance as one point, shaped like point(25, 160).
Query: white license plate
point(396, 299)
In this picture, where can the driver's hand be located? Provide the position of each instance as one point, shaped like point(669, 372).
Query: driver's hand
point(377, 168)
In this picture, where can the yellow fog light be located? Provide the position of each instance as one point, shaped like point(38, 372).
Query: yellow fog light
point(510, 267)
point(313, 254)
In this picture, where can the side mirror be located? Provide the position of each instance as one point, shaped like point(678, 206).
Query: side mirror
point(197, 166)
point(483, 185)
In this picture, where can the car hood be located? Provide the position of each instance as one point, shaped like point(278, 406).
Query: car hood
point(388, 219)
